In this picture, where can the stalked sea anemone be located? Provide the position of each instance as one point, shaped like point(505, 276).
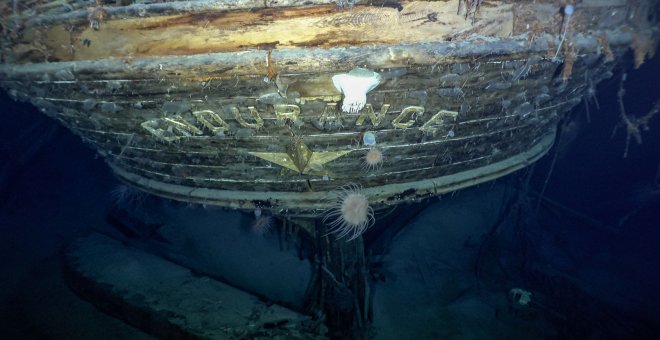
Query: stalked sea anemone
point(373, 160)
point(262, 223)
point(355, 85)
point(351, 215)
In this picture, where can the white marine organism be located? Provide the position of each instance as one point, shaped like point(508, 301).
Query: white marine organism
point(369, 138)
point(373, 160)
point(127, 197)
point(351, 214)
point(262, 223)
point(355, 85)
point(520, 296)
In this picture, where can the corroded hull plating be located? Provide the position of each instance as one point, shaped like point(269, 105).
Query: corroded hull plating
point(238, 105)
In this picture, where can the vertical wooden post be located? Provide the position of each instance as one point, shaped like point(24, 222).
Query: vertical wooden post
point(344, 285)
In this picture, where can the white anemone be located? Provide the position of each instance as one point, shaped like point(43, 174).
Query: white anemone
point(355, 85)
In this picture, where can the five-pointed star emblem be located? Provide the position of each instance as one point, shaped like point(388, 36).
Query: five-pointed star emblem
point(300, 158)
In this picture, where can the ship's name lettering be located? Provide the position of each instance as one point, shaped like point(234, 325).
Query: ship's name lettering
point(173, 128)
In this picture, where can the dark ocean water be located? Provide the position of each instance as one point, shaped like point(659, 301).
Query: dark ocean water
point(583, 236)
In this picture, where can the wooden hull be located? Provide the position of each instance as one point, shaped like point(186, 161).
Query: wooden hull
point(217, 104)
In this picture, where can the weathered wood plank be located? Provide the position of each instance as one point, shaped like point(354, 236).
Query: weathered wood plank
point(264, 28)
